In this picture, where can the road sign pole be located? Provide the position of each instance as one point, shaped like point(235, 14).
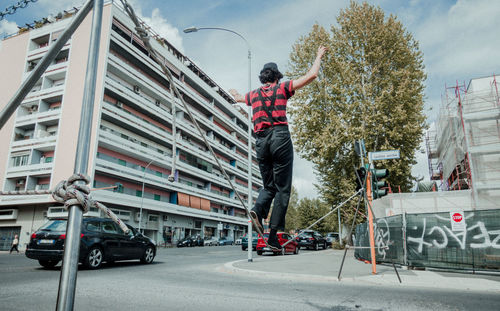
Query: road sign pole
point(370, 221)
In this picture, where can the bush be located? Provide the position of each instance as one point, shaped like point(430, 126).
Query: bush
point(336, 245)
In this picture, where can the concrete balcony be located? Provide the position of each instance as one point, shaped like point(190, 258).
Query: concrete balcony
point(52, 91)
point(114, 169)
point(43, 142)
point(135, 121)
point(38, 116)
point(33, 169)
point(105, 197)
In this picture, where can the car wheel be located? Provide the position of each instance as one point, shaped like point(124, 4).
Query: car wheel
point(243, 248)
point(316, 247)
point(259, 253)
point(283, 251)
point(94, 258)
point(48, 263)
point(148, 256)
point(324, 245)
point(296, 252)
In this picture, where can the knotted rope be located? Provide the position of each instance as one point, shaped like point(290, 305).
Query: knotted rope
point(73, 192)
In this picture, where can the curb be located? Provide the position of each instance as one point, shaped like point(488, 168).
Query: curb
point(421, 279)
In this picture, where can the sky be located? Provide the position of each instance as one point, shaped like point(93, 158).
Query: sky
point(459, 41)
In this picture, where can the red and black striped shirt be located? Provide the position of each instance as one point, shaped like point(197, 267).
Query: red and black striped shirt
point(282, 92)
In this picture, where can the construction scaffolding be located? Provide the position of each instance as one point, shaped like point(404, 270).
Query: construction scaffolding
point(463, 145)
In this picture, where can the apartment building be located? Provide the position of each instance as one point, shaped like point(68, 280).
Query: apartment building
point(132, 139)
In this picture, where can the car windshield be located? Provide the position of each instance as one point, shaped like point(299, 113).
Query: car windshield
point(54, 225)
point(307, 233)
point(330, 235)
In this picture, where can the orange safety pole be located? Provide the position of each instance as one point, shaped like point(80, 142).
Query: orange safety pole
point(370, 221)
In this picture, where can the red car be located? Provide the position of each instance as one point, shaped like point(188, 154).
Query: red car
point(292, 247)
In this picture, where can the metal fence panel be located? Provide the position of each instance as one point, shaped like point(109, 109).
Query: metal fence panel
point(432, 242)
point(388, 240)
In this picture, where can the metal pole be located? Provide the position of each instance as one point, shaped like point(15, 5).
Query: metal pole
point(370, 221)
point(250, 197)
point(69, 270)
point(142, 193)
point(340, 227)
point(28, 84)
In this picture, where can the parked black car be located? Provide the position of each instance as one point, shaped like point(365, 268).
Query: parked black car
point(194, 240)
point(101, 240)
point(311, 239)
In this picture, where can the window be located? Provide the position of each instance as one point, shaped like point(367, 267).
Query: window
point(20, 160)
point(122, 162)
point(108, 227)
point(197, 224)
point(49, 159)
point(124, 136)
point(138, 193)
point(157, 197)
point(153, 218)
point(93, 226)
point(158, 174)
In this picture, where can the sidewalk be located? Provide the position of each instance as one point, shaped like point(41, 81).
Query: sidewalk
point(323, 266)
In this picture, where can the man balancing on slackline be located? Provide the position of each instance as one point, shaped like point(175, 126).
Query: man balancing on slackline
point(274, 145)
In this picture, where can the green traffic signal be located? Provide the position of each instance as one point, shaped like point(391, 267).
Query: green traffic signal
point(379, 187)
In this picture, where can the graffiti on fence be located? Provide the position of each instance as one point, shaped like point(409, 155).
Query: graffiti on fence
point(440, 236)
point(382, 237)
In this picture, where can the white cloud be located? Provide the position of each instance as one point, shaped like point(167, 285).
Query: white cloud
point(7, 28)
point(304, 178)
point(54, 7)
point(463, 40)
point(161, 26)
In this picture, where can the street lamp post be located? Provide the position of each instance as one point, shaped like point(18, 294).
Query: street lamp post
point(250, 198)
point(142, 193)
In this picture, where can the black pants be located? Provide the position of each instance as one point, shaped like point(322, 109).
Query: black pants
point(275, 155)
point(14, 247)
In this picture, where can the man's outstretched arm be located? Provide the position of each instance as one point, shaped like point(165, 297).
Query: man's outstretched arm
point(237, 96)
point(312, 73)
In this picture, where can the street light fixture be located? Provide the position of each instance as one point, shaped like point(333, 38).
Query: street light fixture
point(250, 198)
point(142, 193)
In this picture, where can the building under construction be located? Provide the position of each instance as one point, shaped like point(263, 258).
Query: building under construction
point(464, 144)
point(463, 148)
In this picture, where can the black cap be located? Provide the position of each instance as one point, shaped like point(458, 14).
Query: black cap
point(271, 66)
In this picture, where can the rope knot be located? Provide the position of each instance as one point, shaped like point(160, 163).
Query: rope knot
point(142, 33)
point(73, 192)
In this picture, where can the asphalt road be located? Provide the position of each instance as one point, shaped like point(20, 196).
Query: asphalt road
point(190, 279)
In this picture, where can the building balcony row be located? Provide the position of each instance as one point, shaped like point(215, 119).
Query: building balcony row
point(202, 101)
point(123, 172)
point(146, 128)
point(120, 68)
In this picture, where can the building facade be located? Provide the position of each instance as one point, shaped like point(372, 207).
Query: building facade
point(132, 143)
point(463, 145)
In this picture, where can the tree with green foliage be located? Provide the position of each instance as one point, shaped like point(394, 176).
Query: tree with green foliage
point(291, 213)
point(371, 86)
point(310, 210)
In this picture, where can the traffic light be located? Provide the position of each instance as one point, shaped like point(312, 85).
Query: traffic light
point(118, 188)
point(379, 186)
point(361, 173)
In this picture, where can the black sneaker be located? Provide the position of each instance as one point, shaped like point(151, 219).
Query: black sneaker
point(257, 221)
point(273, 243)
